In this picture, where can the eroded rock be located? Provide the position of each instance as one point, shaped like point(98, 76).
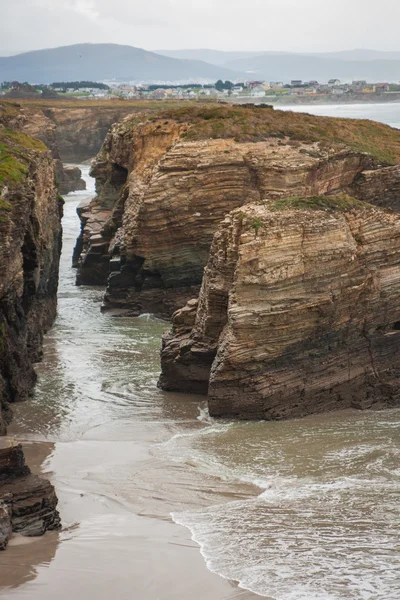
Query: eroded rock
point(27, 502)
point(69, 178)
point(30, 245)
point(164, 184)
point(298, 313)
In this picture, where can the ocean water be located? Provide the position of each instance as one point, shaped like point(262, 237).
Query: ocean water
point(326, 523)
point(384, 113)
point(307, 509)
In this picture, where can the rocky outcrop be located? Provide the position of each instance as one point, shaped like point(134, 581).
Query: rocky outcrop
point(27, 502)
point(80, 132)
point(298, 312)
point(164, 184)
point(36, 124)
point(30, 244)
point(379, 186)
point(69, 178)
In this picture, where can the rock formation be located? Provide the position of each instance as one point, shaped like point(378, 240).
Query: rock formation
point(298, 312)
point(37, 125)
point(165, 183)
point(379, 186)
point(30, 244)
point(27, 502)
point(69, 178)
point(78, 133)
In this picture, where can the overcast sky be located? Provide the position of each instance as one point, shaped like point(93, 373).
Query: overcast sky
point(293, 25)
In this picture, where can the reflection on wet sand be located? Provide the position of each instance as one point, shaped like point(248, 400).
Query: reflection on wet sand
point(96, 424)
point(24, 558)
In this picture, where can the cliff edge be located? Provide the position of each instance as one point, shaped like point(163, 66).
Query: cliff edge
point(165, 182)
point(30, 245)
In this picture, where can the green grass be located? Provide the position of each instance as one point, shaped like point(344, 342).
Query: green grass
point(207, 119)
point(341, 202)
point(12, 170)
point(23, 140)
point(5, 207)
point(15, 155)
point(254, 124)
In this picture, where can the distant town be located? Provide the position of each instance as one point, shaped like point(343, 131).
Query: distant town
point(235, 91)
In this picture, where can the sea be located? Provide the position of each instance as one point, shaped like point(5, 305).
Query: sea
point(306, 509)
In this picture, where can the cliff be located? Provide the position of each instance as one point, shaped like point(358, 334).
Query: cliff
point(165, 182)
point(36, 124)
point(79, 132)
point(298, 312)
point(30, 244)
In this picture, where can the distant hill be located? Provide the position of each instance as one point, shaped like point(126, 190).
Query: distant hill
point(284, 66)
point(214, 57)
point(105, 61)
point(113, 61)
point(360, 54)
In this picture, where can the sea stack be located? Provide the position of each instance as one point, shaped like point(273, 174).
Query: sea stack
point(165, 182)
point(298, 312)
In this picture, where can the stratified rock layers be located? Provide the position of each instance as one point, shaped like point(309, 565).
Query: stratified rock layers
point(27, 502)
point(30, 245)
point(298, 313)
point(165, 184)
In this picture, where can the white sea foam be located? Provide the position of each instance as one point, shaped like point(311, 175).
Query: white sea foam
point(325, 524)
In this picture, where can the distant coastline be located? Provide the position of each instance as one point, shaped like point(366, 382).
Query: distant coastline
point(320, 99)
point(333, 99)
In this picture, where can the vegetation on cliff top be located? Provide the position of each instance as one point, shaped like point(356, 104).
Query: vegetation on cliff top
point(253, 124)
point(249, 123)
point(14, 161)
point(13, 154)
point(341, 202)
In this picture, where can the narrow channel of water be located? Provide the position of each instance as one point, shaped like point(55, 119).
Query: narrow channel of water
point(299, 510)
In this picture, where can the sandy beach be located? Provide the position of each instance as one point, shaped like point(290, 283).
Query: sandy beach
point(114, 538)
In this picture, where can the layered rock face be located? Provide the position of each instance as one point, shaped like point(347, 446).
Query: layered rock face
point(39, 126)
point(80, 132)
point(30, 244)
point(163, 189)
point(27, 502)
point(380, 186)
point(298, 312)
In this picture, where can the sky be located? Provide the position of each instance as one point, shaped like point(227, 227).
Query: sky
point(289, 25)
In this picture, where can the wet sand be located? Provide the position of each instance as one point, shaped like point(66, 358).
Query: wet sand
point(303, 510)
point(115, 538)
point(95, 427)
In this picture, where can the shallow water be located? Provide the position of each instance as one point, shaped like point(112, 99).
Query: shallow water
point(299, 510)
point(385, 113)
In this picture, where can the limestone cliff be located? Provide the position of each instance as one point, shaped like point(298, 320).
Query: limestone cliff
point(30, 243)
point(298, 312)
point(165, 182)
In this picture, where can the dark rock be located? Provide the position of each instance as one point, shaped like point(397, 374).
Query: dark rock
point(69, 178)
point(5, 525)
point(28, 500)
point(30, 246)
